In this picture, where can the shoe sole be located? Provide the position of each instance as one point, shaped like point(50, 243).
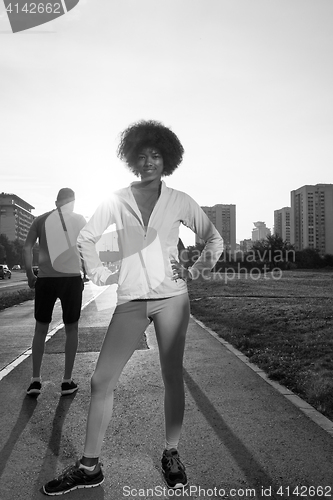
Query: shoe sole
point(79, 487)
point(69, 391)
point(34, 392)
point(178, 486)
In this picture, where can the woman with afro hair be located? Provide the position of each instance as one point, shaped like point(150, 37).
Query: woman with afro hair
point(152, 287)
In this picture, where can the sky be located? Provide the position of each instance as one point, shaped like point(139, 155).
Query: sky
point(245, 84)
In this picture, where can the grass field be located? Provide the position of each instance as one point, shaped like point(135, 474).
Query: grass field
point(282, 322)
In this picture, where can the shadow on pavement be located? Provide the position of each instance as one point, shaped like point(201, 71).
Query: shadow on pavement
point(253, 471)
point(56, 446)
point(27, 409)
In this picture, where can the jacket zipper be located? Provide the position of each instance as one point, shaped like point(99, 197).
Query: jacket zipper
point(133, 212)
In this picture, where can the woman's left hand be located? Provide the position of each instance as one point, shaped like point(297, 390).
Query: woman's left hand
point(179, 272)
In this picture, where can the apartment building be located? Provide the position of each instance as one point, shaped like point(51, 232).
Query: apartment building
point(15, 217)
point(245, 245)
point(282, 218)
point(260, 231)
point(224, 219)
point(312, 218)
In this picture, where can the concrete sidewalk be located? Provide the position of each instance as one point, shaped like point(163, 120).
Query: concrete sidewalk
point(241, 437)
point(17, 325)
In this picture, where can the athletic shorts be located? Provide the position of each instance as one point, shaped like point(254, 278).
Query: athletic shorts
point(136, 315)
point(68, 290)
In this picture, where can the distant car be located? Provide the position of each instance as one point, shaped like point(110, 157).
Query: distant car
point(5, 272)
point(17, 267)
point(35, 270)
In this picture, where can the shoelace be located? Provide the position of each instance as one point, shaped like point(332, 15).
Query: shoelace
point(174, 464)
point(68, 471)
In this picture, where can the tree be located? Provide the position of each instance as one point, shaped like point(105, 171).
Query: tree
point(2, 253)
point(309, 258)
point(19, 252)
point(274, 251)
point(328, 260)
point(192, 254)
point(13, 251)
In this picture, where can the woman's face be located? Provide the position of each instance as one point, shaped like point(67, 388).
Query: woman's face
point(149, 164)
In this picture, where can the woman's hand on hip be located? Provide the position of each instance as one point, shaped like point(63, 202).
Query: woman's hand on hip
point(180, 272)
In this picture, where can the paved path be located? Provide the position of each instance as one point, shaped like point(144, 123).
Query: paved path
point(241, 437)
point(17, 327)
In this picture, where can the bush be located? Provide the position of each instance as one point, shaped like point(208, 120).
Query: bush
point(328, 260)
point(309, 258)
point(9, 299)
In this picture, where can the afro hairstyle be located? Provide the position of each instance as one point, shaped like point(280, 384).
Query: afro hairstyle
point(150, 134)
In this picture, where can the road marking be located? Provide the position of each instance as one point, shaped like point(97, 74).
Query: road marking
point(22, 357)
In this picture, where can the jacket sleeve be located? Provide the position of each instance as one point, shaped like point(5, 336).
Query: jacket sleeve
point(89, 235)
point(197, 220)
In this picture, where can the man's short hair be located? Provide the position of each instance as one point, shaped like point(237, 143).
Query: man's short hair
point(65, 194)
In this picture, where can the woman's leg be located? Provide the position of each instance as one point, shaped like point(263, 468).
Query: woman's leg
point(171, 323)
point(128, 323)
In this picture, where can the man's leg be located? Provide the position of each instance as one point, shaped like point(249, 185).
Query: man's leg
point(38, 345)
point(70, 294)
point(45, 298)
point(44, 302)
point(71, 344)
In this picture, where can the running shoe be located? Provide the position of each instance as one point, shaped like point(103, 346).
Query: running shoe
point(173, 469)
point(34, 388)
point(73, 478)
point(68, 388)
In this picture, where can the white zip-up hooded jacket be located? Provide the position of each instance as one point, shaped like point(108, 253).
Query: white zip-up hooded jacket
point(146, 252)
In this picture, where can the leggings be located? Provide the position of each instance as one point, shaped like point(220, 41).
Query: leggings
point(170, 317)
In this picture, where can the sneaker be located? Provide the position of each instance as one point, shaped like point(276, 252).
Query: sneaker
point(173, 469)
point(34, 388)
point(68, 388)
point(73, 478)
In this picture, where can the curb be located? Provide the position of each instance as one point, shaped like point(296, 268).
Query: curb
point(306, 408)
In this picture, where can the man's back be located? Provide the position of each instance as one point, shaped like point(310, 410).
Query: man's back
point(57, 232)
